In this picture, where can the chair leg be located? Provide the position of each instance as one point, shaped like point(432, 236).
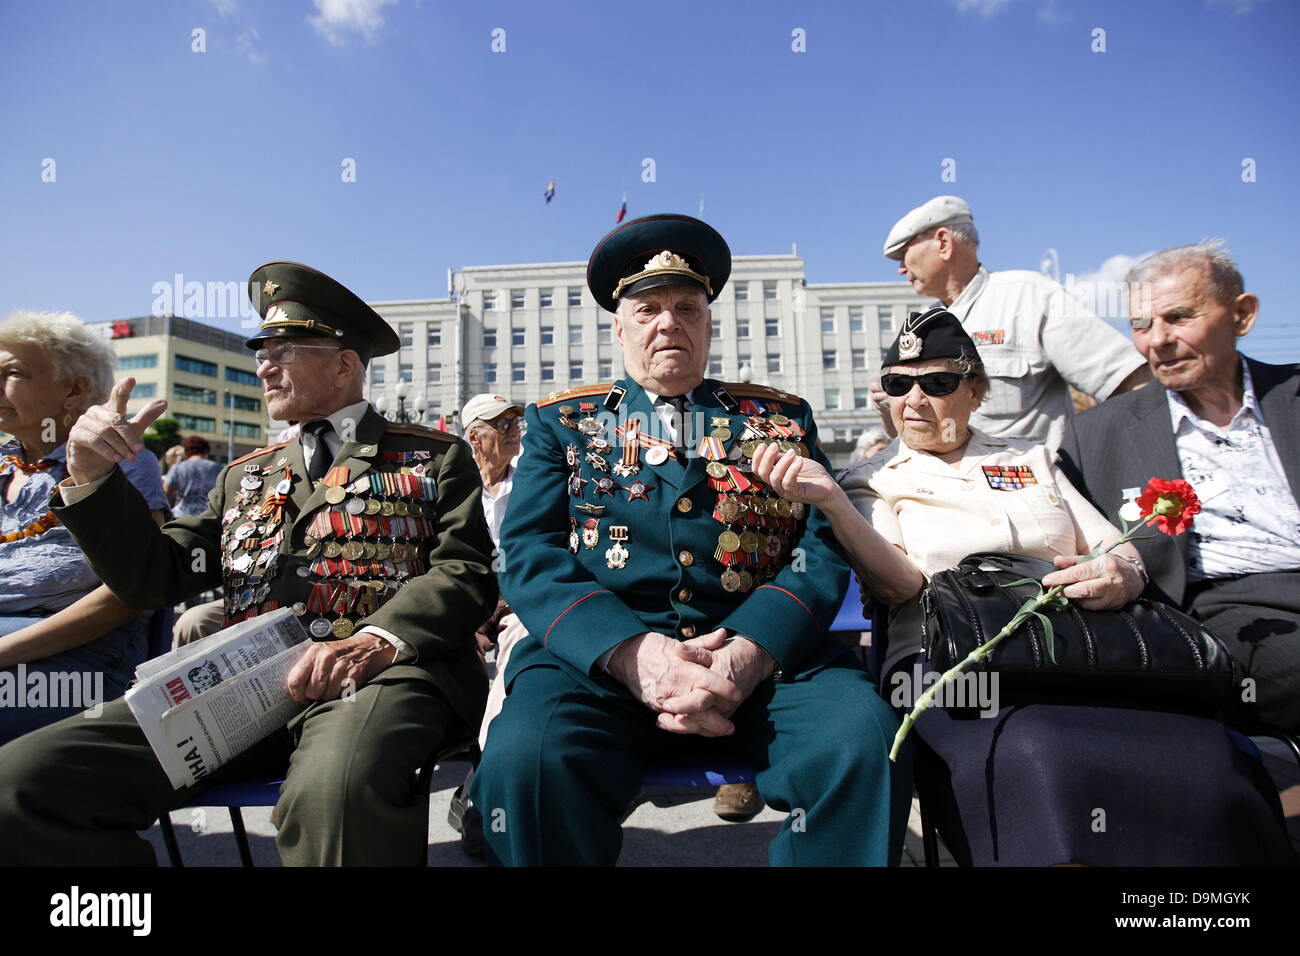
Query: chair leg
point(241, 837)
point(169, 840)
point(929, 840)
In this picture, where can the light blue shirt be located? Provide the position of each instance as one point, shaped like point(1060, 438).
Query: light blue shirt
point(48, 572)
point(192, 479)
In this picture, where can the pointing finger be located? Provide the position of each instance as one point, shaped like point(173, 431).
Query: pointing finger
point(121, 392)
point(145, 416)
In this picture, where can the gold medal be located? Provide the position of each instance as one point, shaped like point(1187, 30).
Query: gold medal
point(334, 494)
point(716, 469)
point(382, 551)
point(342, 627)
point(779, 420)
point(387, 509)
point(333, 549)
point(372, 506)
point(746, 581)
point(355, 549)
point(369, 551)
point(729, 541)
point(721, 434)
point(730, 580)
point(747, 448)
point(749, 541)
point(729, 509)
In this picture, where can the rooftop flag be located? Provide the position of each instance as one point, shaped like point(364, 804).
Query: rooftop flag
point(550, 191)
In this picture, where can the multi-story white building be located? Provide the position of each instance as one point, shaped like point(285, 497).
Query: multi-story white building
point(527, 330)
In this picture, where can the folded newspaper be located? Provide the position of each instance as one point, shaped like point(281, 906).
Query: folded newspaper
point(207, 702)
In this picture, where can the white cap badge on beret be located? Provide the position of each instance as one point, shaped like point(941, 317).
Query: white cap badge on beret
point(939, 211)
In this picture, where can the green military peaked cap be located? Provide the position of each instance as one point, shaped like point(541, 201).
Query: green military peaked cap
point(659, 250)
point(297, 301)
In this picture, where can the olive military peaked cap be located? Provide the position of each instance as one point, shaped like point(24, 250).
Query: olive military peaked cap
point(297, 301)
point(926, 336)
point(652, 251)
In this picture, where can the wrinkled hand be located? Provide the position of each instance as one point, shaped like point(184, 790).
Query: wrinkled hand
point(321, 672)
point(1102, 584)
point(104, 436)
point(674, 678)
point(742, 662)
point(793, 477)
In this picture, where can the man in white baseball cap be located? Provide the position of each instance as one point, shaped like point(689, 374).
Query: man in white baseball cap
point(1035, 338)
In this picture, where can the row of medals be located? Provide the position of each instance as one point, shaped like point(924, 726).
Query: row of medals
point(730, 507)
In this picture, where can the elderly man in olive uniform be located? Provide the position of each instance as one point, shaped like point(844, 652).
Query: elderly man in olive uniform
point(372, 532)
point(675, 607)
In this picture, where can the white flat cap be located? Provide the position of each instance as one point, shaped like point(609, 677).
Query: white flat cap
point(485, 407)
point(939, 211)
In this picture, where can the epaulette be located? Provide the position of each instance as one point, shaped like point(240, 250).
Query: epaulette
point(578, 391)
point(410, 428)
point(260, 451)
point(754, 390)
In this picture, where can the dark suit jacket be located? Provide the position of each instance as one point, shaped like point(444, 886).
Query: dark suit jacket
point(435, 612)
point(1129, 439)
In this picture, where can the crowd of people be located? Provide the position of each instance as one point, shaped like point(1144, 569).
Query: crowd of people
point(655, 568)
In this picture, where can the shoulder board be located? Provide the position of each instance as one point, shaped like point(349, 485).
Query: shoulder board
point(754, 390)
point(260, 451)
point(578, 391)
point(397, 428)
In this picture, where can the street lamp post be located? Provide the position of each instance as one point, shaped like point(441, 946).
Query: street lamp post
point(230, 426)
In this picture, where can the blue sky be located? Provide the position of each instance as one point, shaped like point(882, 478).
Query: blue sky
point(206, 164)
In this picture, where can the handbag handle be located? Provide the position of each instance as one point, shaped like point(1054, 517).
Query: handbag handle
point(1022, 565)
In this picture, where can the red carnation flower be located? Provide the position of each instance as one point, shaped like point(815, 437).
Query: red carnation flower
point(1169, 505)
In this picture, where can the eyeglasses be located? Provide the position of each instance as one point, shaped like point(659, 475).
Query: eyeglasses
point(503, 425)
point(283, 354)
point(934, 384)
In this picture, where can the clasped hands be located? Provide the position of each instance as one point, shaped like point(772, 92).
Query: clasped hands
point(694, 686)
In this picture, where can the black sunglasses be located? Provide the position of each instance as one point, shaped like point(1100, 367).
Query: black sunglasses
point(932, 383)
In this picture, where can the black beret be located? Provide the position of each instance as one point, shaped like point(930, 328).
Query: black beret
point(926, 336)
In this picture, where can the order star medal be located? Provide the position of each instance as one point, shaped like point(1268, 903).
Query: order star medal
point(617, 555)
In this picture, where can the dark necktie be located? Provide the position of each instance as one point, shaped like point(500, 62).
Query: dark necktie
point(678, 404)
point(321, 459)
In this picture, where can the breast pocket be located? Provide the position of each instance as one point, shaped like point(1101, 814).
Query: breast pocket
point(1008, 371)
point(1042, 519)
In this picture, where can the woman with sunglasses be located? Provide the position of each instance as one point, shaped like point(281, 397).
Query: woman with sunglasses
point(1023, 786)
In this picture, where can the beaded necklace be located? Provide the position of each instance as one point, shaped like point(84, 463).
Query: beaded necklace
point(46, 521)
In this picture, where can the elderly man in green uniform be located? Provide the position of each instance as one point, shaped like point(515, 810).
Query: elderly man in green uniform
point(372, 532)
point(675, 607)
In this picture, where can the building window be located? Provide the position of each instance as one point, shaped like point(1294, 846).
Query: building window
point(886, 315)
point(433, 374)
point(715, 366)
point(188, 393)
point(199, 367)
point(548, 335)
point(489, 301)
point(860, 398)
point(774, 365)
point(242, 377)
point(516, 298)
point(575, 296)
point(434, 334)
point(517, 372)
point(604, 333)
point(575, 371)
point(859, 360)
point(243, 430)
point(604, 368)
point(828, 321)
point(489, 337)
point(144, 390)
point(376, 375)
point(771, 328)
point(545, 298)
point(717, 328)
point(406, 332)
point(137, 361)
point(742, 328)
point(575, 335)
point(193, 423)
point(517, 337)
point(832, 398)
point(855, 319)
point(769, 289)
point(828, 361)
point(404, 372)
point(246, 403)
point(548, 371)
point(742, 291)
point(489, 373)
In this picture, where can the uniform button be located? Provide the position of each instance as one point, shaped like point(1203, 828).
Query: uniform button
point(995, 521)
point(684, 594)
point(687, 631)
point(685, 558)
point(684, 505)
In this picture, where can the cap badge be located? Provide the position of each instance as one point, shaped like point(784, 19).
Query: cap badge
point(666, 261)
point(270, 288)
point(275, 315)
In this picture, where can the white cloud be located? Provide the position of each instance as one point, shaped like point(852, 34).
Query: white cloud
point(1053, 12)
point(247, 44)
point(335, 20)
point(1102, 291)
point(224, 8)
point(1235, 6)
point(984, 8)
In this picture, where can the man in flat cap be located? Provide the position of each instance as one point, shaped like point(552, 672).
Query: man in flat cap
point(372, 532)
point(1035, 338)
point(675, 607)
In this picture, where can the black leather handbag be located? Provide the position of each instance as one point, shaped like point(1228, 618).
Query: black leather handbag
point(1145, 654)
